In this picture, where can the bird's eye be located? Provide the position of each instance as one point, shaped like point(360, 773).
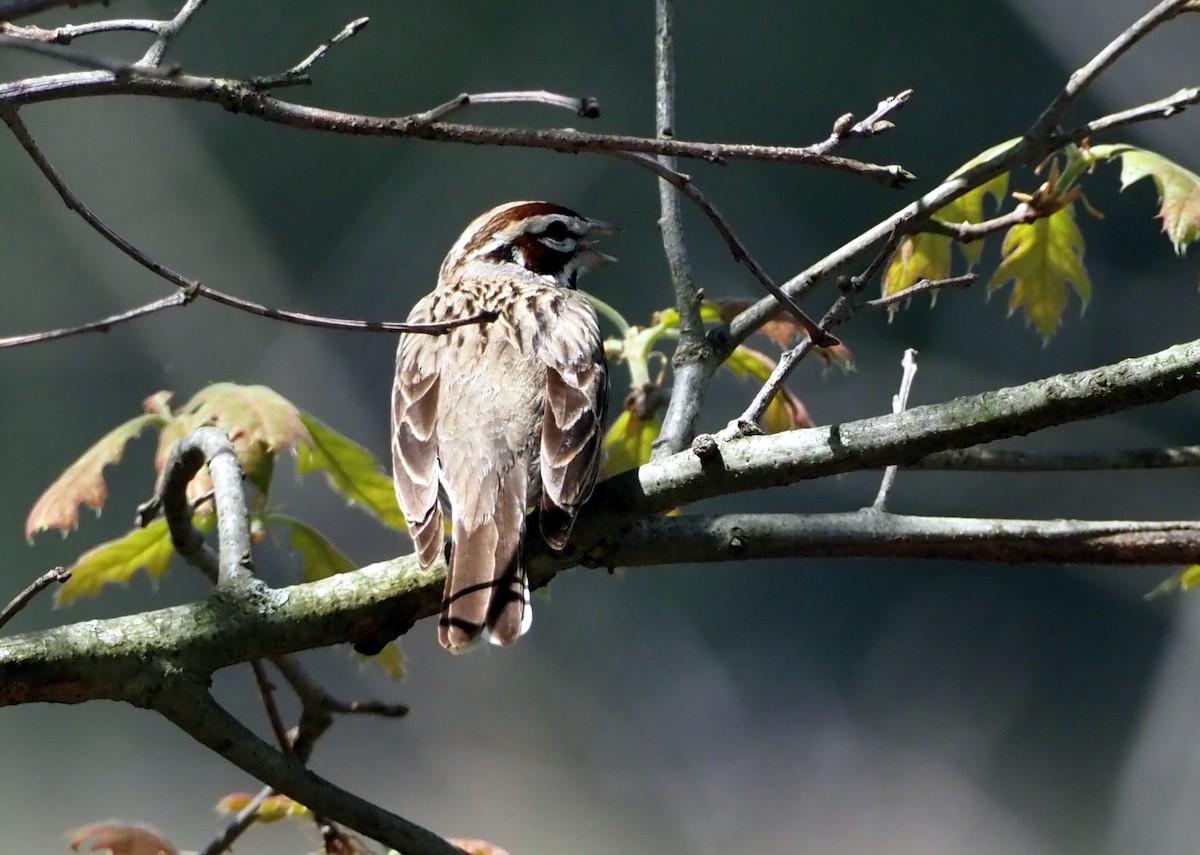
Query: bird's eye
point(557, 230)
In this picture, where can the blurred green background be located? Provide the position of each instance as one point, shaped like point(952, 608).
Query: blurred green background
point(808, 706)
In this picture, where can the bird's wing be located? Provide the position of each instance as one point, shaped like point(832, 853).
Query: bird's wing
point(573, 427)
point(414, 436)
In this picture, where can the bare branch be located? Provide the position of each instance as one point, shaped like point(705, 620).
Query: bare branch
point(244, 98)
point(967, 232)
point(195, 712)
point(67, 33)
point(179, 298)
point(298, 73)
point(1084, 77)
point(997, 460)
point(869, 534)
point(167, 33)
point(1163, 108)
point(920, 287)
point(231, 568)
point(586, 107)
point(21, 600)
point(192, 288)
point(21, 8)
point(120, 70)
point(694, 355)
point(899, 403)
point(876, 123)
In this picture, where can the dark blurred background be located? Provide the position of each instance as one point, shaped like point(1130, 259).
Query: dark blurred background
point(807, 706)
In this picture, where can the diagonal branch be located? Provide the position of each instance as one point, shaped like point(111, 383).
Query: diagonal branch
point(193, 710)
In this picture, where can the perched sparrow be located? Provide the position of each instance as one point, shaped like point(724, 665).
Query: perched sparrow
point(503, 415)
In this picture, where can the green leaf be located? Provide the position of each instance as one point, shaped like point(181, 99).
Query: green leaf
point(1178, 189)
point(351, 470)
point(390, 660)
point(1041, 259)
point(917, 257)
point(83, 481)
point(628, 442)
point(319, 558)
point(116, 561)
point(710, 312)
point(1185, 580)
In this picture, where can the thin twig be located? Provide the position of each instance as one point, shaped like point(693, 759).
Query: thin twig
point(168, 32)
point(922, 286)
point(298, 73)
point(245, 818)
point(67, 33)
point(21, 600)
point(266, 692)
point(1084, 77)
point(118, 69)
point(241, 97)
point(899, 405)
point(586, 107)
point(967, 232)
point(22, 8)
point(192, 288)
point(872, 125)
point(179, 298)
point(1163, 108)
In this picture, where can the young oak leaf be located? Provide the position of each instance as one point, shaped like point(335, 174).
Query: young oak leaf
point(351, 470)
point(928, 256)
point(319, 558)
point(1187, 579)
point(1040, 259)
point(627, 444)
point(121, 838)
point(785, 411)
point(116, 561)
point(271, 809)
point(916, 257)
point(260, 422)
point(1178, 191)
point(83, 481)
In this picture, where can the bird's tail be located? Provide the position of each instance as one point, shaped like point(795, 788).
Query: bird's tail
point(486, 588)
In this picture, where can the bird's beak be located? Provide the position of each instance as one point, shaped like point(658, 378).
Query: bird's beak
point(596, 230)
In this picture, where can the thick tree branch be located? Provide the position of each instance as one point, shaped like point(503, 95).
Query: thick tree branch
point(76, 663)
point(872, 534)
point(997, 460)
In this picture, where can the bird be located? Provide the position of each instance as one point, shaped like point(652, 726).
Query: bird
point(493, 418)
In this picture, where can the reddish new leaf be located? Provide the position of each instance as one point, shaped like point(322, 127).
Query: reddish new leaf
point(122, 838)
point(83, 481)
point(260, 422)
point(1178, 190)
